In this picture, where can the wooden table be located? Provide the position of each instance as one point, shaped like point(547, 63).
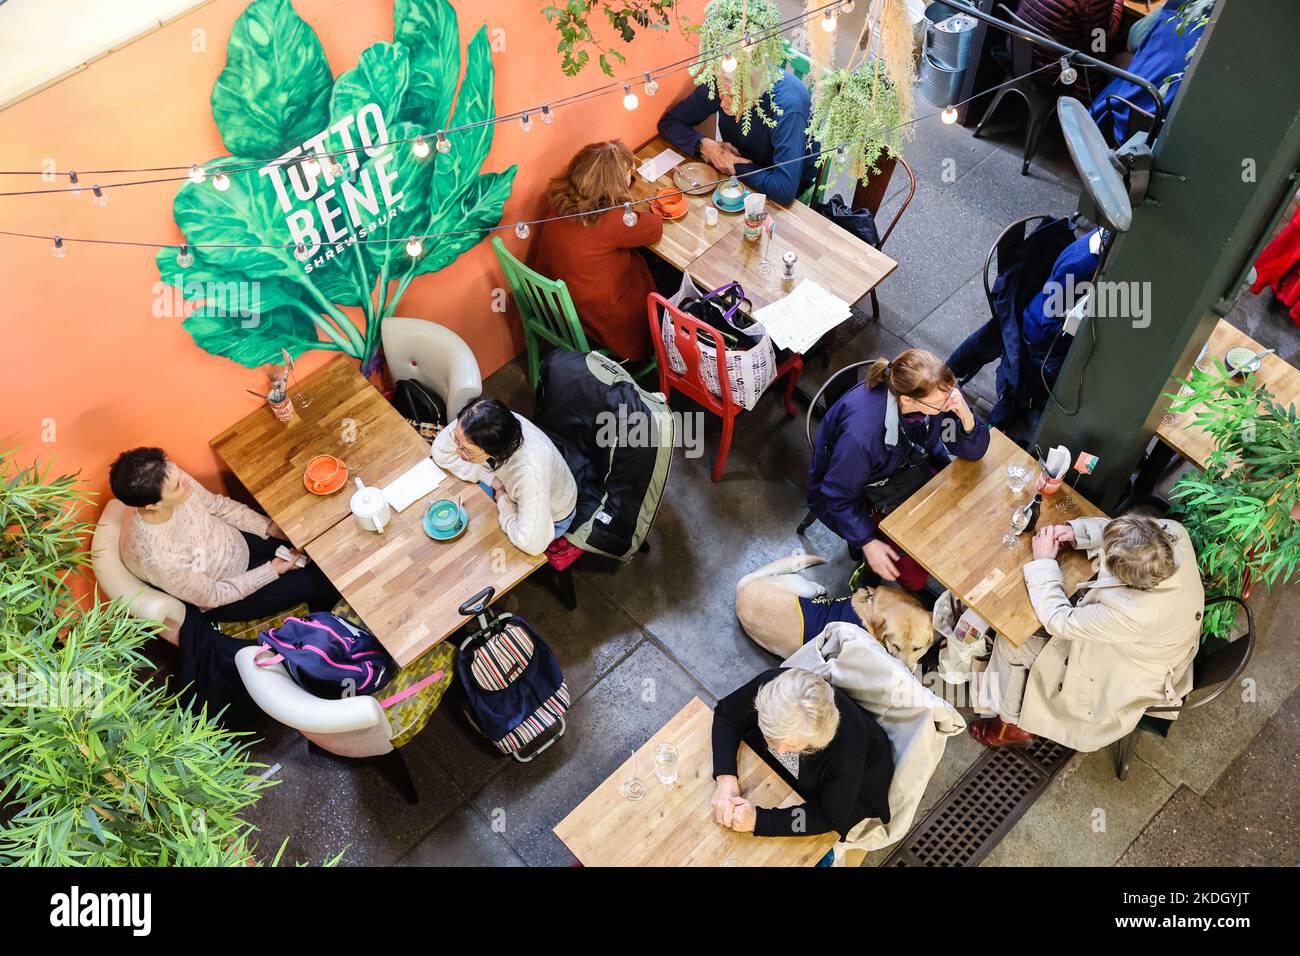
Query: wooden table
point(835, 259)
point(408, 587)
point(672, 825)
point(1140, 8)
point(685, 239)
point(1179, 430)
point(954, 525)
point(347, 417)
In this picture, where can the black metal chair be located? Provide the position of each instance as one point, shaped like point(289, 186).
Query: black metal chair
point(1217, 666)
point(1040, 99)
point(832, 390)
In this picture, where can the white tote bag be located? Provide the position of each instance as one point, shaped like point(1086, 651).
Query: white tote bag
point(750, 372)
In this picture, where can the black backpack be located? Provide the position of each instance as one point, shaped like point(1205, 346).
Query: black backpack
point(421, 407)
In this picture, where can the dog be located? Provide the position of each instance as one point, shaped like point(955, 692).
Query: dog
point(768, 609)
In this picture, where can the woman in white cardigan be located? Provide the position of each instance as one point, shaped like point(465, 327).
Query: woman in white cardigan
point(514, 461)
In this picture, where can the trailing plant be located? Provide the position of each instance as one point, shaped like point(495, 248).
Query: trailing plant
point(275, 103)
point(858, 110)
point(572, 20)
point(1241, 513)
point(745, 31)
point(96, 767)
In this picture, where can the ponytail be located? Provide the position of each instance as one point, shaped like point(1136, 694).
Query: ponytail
point(878, 373)
point(915, 374)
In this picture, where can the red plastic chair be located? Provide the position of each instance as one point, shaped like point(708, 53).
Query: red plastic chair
point(686, 332)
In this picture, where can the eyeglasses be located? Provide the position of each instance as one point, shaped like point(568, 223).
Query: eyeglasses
point(939, 410)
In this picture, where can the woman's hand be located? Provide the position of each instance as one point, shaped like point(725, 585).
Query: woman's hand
point(1045, 543)
point(284, 566)
point(956, 403)
point(273, 530)
point(1064, 533)
point(881, 557)
point(743, 815)
point(728, 789)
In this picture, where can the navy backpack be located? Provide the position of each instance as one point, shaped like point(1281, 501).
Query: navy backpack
point(327, 656)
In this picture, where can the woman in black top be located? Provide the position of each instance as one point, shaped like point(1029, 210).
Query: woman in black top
point(830, 750)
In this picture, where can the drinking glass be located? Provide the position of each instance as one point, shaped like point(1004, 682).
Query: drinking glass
point(666, 763)
point(632, 788)
point(1017, 477)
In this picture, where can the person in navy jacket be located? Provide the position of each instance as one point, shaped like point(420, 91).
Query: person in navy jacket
point(909, 409)
point(747, 155)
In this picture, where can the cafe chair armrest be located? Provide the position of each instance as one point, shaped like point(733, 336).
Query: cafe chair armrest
point(116, 581)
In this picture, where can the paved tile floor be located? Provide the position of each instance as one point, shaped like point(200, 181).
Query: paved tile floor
point(649, 636)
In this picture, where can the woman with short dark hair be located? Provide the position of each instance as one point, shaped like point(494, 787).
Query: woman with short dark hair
point(517, 464)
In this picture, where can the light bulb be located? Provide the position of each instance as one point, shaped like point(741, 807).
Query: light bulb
point(629, 98)
point(183, 258)
point(629, 215)
point(443, 144)
point(729, 63)
point(829, 22)
point(74, 183)
point(547, 116)
point(311, 165)
point(57, 249)
point(1068, 73)
point(301, 253)
point(414, 247)
point(749, 43)
point(949, 115)
point(420, 147)
point(336, 168)
point(521, 230)
point(651, 85)
point(197, 174)
point(221, 182)
point(98, 197)
point(846, 6)
point(526, 123)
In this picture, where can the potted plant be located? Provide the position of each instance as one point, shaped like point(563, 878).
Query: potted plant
point(96, 767)
point(753, 56)
point(1241, 512)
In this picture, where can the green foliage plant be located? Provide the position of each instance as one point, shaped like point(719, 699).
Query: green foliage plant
point(573, 22)
point(745, 29)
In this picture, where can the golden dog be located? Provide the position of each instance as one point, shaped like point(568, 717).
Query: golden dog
point(768, 608)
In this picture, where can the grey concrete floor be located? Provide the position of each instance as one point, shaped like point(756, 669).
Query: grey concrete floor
point(651, 635)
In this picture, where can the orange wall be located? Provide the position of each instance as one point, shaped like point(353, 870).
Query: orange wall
point(89, 370)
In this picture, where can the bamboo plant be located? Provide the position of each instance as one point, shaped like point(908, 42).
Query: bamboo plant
point(744, 57)
point(1241, 513)
point(96, 767)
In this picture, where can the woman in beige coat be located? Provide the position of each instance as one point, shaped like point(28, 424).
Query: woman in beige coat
point(1127, 645)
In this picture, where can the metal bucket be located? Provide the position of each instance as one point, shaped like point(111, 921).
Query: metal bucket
point(949, 40)
point(938, 84)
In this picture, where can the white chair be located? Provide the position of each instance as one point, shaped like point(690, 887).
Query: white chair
point(434, 356)
point(116, 581)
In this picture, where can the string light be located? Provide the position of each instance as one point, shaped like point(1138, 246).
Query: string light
point(651, 85)
point(1068, 73)
point(829, 22)
point(183, 258)
point(221, 182)
point(547, 116)
point(311, 165)
point(729, 63)
point(749, 44)
point(57, 250)
point(420, 147)
point(629, 215)
point(522, 230)
point(197, 174)
point(72, 181)
point(98, 197)
point(442, 144)
point(629, 98)
point(846, 6)
point(526, 123)
point(949, 115)
point(414, 247)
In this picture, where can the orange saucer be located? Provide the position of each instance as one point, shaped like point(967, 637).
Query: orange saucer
point(329, 486)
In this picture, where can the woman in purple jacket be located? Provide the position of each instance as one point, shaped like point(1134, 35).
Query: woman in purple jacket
point(881, 442)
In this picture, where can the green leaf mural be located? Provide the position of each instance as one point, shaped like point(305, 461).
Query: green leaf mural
point(275, 102)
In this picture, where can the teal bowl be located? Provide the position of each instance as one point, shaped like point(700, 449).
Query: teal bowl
point(445, 520)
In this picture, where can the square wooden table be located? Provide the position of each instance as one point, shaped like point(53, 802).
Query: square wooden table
point(672, 825)
point(834, 258)
point(347, 417)
point(1179, 430)
point(686, 239)
point(953, 526)
point(406, 586)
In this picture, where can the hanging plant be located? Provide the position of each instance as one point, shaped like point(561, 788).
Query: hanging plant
point(858, 110)
point(746, 32)
point(1241, 512)
point(572, 20)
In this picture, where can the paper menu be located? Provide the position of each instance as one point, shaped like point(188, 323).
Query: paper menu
point(660, 165)
point(798, 320)
point(413, 484)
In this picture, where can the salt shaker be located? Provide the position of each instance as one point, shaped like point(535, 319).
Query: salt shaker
point(788, 260)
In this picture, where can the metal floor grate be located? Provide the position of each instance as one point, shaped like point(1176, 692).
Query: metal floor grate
point(978, 810)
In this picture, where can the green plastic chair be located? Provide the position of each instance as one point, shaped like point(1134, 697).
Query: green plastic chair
point(800, 63)
point(548, 313)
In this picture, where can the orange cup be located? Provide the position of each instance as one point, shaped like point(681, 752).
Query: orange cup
point(323, 469)
point(671, 201)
